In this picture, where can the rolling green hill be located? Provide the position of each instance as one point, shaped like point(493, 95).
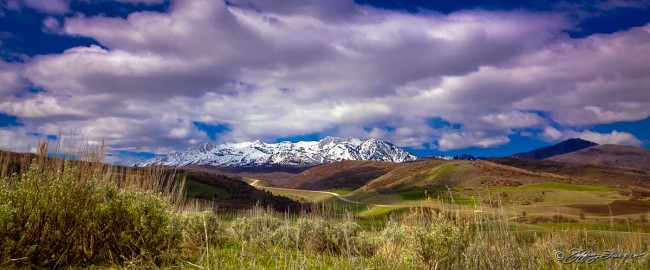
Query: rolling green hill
point(436, 174)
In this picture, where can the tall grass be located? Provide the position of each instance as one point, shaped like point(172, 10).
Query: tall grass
point(61, 213)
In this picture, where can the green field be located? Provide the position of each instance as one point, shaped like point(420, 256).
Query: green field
point(149, 226)
point(341, 191)
point(534, 199)
point(557, 186)
point(598, 227)
point(202, 191)
point(307, 196)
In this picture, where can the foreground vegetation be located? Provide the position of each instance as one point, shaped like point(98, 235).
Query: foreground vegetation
point(56, 213)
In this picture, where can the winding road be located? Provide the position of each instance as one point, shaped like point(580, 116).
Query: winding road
point(338, 196)
point(255, 183)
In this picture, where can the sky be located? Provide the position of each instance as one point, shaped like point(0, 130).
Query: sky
point(487, 78)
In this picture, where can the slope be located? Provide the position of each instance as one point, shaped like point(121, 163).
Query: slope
point(339, 175)
point(610, 155)
point(438, 174)
point(227, 192)
point(231, 193)
point(567, 146)
point(582, 173)
point(487, 184)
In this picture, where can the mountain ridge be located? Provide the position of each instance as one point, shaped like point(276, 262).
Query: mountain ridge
point(303, 153)
point(568, 146)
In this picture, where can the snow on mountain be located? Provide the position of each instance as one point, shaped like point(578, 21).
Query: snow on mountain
point(459, 157)
point(258, 153)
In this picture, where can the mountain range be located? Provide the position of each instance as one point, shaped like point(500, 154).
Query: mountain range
point(304, 153)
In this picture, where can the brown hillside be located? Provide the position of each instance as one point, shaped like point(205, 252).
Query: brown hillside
point(273, 176)
point(240, 195)
point(609, 155)
point(582, 173)
point(350, 174)
point(458, 173)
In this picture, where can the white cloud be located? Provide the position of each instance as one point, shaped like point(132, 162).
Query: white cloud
point(44, 6)
point(551, 134)
point(11, 81)
point(51, 25)
point(459, 140)
point(19, 139)
point(513, 120)
point(272, 69)
point(615, 137)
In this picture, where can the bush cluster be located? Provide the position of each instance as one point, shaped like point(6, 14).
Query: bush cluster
point(309, 234)
point(432, 241)
point(73, 214)
point(68, 216)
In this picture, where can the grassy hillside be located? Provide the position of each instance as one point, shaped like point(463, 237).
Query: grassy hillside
point(66, 214)
point(349, 175)
point(582, 173)
point(229, 193)
point(272, 175)
point(581, 193)
point(437, 174)
point(198, 190)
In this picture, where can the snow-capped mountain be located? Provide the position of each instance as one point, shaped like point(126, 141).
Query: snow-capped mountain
point(459, 157)
point(258, 153)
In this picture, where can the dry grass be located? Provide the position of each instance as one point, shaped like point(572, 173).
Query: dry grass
point(62, 212)
point(59, 213)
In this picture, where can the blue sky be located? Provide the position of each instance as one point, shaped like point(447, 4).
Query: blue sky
point(486, 78)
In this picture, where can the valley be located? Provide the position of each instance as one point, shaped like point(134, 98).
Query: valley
point(527, 190)
point(534, 194)
point(354, 213)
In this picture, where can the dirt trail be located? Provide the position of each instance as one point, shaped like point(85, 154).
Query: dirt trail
point(338, 196)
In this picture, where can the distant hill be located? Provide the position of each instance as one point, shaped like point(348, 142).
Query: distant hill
point(227, 192)
point(582, 173)
point(436, 174)
point(237, 194)
point(609, 155)
point(345, 174)
point(564, 147)
point(272, 175)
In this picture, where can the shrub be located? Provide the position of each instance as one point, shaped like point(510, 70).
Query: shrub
point(434, 242)
point(204, 229)
point(67, 214)
point(258, 230)
point(335, 236)
point(138, 224)
point(315, 234)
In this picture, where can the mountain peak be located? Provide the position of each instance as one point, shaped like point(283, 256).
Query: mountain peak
point(578, 141)
point(304, 153)
point(568, 146)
